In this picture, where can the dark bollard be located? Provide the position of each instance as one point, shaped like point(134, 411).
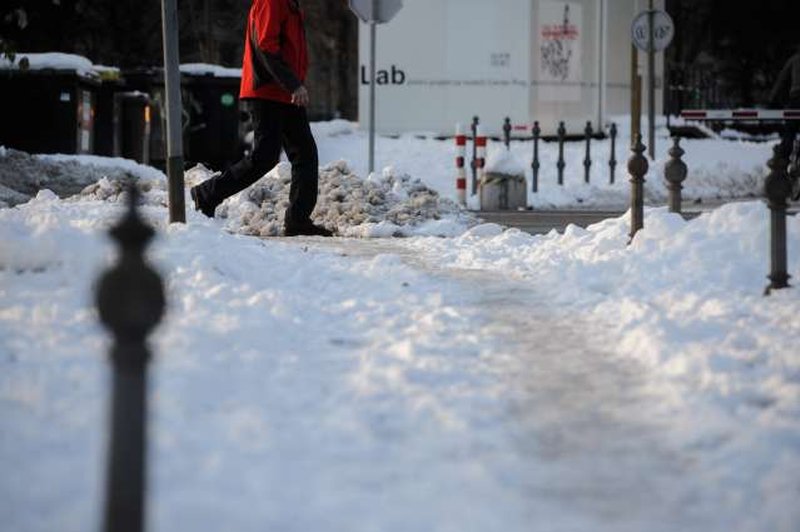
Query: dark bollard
point(675, 173)
point(537, 131)
point(562, 132)
point(777, 188)
point(507, 133)
point(587, 162)
point(130, 301)
point(474, 163)
point(613, 161)
point(637, 168)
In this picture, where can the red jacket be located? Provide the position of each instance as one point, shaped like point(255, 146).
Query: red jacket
point(275, 55)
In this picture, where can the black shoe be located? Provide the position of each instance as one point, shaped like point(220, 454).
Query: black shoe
point(198, 206)
point(306, 229)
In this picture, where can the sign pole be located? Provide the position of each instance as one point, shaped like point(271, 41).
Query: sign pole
point(373, 12)
point(372, 33)
point(651, 85)
point(172, 82)
point(636, 104)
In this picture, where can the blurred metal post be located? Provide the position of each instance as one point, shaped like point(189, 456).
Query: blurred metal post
point(637, 168)
point(777, 188)
point(474, 163)
point(507, 133)
point(587, 162)
point(373, 24)
point(651, 84)
point(130, 301)
point(675, 173)
point(562, 132)
point(537, 131)
point(172, 82)
point(612, 162)
point(636, 95)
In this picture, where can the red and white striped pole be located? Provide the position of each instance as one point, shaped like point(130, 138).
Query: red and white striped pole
point(480, 152)
point(741, 114)
point(461, 172)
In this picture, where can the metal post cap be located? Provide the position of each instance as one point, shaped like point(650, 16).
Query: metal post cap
point(675, 170)
point(130, 296)
point(777, 186)
point(637, 164)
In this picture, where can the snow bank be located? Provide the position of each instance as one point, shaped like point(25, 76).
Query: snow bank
point(685, 301)
point(383, 205)
point(22, 175)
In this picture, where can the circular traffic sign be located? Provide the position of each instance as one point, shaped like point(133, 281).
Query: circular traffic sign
point(663, 30)
point(379, 11)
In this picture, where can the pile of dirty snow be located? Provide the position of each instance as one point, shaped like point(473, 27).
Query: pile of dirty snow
point(383, 205)
point(23, 175)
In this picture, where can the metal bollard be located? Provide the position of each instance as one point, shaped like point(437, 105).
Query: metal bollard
point(461, 175)
point(777, 188)
point(561, 164)
point(480, 153)
point(537, 131)
point(507, 133)
point(587, 162)
point(675, 173)
point(637, 168)
point(613, 161)
point(130, 301)
point(474, 162)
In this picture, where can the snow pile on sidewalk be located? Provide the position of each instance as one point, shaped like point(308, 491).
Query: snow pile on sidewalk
point(23, 175)
point(684, 297)
point(385, 204)
point(685, 300)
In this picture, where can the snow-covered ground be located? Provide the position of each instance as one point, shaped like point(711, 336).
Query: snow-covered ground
point(717, 168)
point(488, 380)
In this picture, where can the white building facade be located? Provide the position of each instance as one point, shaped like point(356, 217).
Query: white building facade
point(441, 62)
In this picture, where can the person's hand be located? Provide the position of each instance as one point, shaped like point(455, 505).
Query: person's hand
point(300, 96)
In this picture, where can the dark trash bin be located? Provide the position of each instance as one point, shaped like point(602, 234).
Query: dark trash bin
point(134, 125)
point(107, 129)
point(213, 132)
point(48, 111)
point(150, 81)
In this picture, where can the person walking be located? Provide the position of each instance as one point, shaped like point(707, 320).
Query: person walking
point(274, 70)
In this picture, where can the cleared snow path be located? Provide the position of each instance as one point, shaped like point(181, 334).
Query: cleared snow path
point(347, 385)
point(581, 443)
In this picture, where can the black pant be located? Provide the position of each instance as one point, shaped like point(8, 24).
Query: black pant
point(276, 125)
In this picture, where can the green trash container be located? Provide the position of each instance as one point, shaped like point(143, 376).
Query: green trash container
point(213, 133)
